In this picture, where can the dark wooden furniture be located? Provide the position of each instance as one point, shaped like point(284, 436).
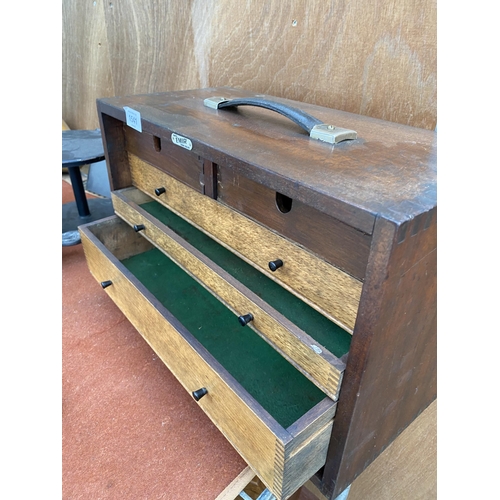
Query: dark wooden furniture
point(325, 252)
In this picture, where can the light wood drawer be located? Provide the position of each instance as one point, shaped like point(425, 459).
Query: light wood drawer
point(324, 287)
point(336, 242)
point(314, 349)
point(274, 417)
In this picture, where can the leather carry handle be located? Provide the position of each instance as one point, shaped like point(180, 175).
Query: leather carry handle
point(314, 127)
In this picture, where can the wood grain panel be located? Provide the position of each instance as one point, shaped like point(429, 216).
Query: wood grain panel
point(114, 150)
point(377, 59)
point(336, 242)
point(304, 428)
point(306, 460)
point(323, 369)
point(388, 383)
point(121, 245)
point(86, 66)
point(178, 162)
point(151, 45)
point(237, 485)
point(326, 288)
point(406, 470)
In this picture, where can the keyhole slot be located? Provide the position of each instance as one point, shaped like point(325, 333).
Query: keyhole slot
point(283, 203)
point(157, 143)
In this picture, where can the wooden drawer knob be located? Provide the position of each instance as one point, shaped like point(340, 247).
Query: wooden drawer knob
point(245, 319)
point(105, 284)
point(275, 264)
point(159, 191)
point(197, 395)
point(139, 227)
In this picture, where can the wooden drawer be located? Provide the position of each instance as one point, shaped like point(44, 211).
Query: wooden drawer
point(323, 286)
point(339, 244)
point(276, 419)
point(314, 348)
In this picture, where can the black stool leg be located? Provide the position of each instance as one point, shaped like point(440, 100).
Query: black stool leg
point(79, 191)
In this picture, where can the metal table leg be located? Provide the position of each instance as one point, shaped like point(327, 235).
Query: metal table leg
point(79, 191)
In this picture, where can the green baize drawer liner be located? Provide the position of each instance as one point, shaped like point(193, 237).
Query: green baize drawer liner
point(320, 328)
point(273, 382)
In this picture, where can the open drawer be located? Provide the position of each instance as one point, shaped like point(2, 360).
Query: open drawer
point(275, 417)
point(308, 340)
point(329, 290)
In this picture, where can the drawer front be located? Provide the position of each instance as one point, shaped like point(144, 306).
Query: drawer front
point(331, 291)
point(336, 242)
point(269, 449)
point(180, 163)
point(320, 366)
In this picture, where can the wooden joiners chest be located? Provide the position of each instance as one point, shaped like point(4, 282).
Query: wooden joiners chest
point(325, 252)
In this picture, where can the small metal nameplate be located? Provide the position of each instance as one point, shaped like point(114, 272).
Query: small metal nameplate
point(183, 142)
point(133, 118)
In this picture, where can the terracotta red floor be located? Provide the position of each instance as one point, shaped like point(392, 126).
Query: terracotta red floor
point(130, 430)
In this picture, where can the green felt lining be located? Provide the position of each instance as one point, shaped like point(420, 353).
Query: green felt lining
point(276, 385)
point(321, 329)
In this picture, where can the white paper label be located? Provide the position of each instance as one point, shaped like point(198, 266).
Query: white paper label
point(183, 142)
point(133, 118)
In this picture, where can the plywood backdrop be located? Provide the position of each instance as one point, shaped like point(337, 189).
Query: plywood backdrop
point(375, 58)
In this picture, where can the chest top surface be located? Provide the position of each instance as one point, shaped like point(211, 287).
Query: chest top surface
point(388, 171)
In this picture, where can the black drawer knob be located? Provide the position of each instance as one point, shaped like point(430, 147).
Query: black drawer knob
point(245, 319)
point(139, 227)
point(275, 264)
point(197, 395)
point(105, 284)
point(159, 191)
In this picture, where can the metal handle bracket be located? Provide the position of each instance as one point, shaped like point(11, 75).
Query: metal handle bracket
point(331, 134)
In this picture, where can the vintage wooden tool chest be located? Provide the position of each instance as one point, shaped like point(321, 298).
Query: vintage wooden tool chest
point(280, 258)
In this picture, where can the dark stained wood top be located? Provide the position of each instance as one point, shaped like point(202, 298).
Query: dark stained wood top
point(389, 171)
